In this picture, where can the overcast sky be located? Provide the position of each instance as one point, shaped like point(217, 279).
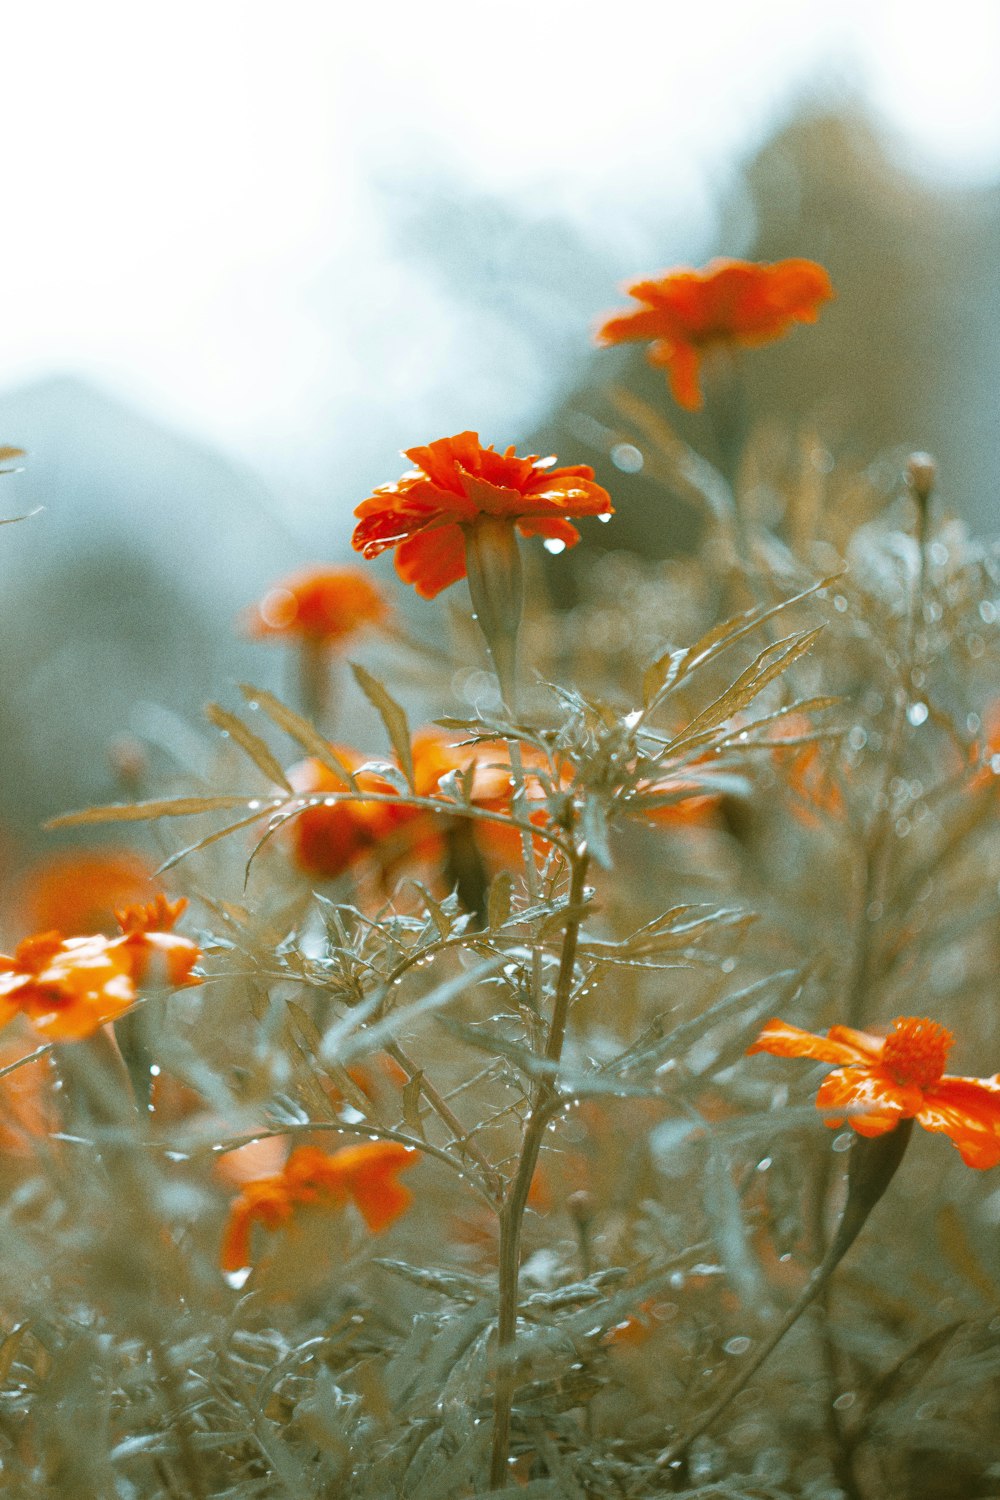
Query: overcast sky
point(202, 199)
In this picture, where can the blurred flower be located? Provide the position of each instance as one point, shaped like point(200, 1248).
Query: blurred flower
point(366, 1174)
point(69, 987)
point(455, 483)
point(880, 1081)
point(329, 838)
point(815, 794)
point(79, 891)
point(733, 303)
point(26, 1098)
point(325, 605)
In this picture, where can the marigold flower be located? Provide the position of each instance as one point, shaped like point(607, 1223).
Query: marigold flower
point(78, 891)
point(456, 482)
point(323, 605)
point(730, 302)
point(880, 1081)
point(69, 987)
point(330, 837)
point(365, 1174)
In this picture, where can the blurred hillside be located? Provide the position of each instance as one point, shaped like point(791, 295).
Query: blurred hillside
point(123, 592)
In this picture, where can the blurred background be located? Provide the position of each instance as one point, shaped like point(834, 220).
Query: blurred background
point(249, 257)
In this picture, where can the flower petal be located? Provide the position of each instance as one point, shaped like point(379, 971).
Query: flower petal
point(432, 560)
point(785, 1040)
point(549, 526)
point(967, 1110)
point(870, 1101)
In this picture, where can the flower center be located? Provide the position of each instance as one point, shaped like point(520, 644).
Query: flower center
point(915, 1050)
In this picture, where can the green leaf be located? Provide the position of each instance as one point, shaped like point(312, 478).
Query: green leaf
point(501, 891)
point(304, 733)
point(252, 743)
point(140, 812)
point(393, 716)
point(669, 669)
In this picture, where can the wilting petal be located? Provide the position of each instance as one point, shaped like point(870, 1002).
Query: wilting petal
point(785, 1040)
point(967, 1110)
point(369, 1173)
point(871, 1103)
point(432, 559)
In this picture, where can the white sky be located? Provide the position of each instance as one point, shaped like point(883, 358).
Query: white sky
point(195, 192)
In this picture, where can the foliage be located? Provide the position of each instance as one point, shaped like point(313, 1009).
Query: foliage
point(758, 782)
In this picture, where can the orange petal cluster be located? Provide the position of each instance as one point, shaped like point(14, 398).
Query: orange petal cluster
point(880, 1080)
point(455, 481)
point(78, 891)
point(323, 605)
point(733, 303)
point(365, 1174)
point(329, 838)
point(69, 987)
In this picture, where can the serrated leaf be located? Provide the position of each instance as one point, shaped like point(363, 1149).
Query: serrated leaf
point(393, 716)
point(298, 728)
point(770, 663)
point(666, 672)
point(252, 743)
point(139, 812)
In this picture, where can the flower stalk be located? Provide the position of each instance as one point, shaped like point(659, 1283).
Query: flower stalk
point(873, 1164)
point(546, 1102)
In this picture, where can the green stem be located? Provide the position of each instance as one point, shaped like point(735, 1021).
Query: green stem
point(872, 1166)
point(545, 1104)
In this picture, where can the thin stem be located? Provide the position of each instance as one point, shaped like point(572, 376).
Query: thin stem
point(873, 1165)
point(512, 1213)
point(447, 1115)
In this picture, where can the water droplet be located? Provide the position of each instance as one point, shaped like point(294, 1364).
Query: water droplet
point(604, 519)
point(917, 713)
point(155, 1070)
point(253, 705)
point(237, 1279)
point(988, 612)
point(626, 456)
point(554, 545)
point(728, 965)
point(839, 603)
point(938, 553)
point(763, 1164)
point(845, 1402)
point(738, 1345)
point(844, 1141)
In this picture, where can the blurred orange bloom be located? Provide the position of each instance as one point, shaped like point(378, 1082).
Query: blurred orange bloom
point(454, 483)
point(26, 1098)
point(330, 837)
point(79, 891)
point(69, 987)
point(881, 1080)
point(731, 302)
point(815, 794)
point(324, 605)
point(366, 1174)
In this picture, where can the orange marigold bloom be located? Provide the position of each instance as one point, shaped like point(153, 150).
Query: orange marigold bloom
point(69, 987)
point(454, 483)
point(731, 302)
point(329, 838)
point(78, 891)
point(323, 605)
point(365, 1174)
point(881, 1080)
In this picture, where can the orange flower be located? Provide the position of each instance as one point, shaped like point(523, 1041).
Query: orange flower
point(323, 605)
point(69, 987)
point(730, 302)
point(880, 1081)
point(365, 1174)
point(456, 482)
point(79, 891)
point(329, 838)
